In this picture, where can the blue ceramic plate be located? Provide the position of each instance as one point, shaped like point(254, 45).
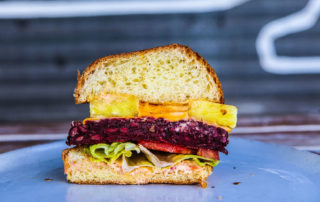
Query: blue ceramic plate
point(253, 171)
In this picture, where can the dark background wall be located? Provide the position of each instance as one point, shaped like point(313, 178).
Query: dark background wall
point(39, 58)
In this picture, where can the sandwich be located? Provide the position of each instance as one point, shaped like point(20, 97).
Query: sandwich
point(156, 116)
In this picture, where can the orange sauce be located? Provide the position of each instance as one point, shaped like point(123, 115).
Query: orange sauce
point(169, 111)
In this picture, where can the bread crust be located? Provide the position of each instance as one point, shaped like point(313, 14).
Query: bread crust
point(112, 174)
point(91, 68)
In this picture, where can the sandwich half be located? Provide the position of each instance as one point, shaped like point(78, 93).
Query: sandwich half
point(156, 116)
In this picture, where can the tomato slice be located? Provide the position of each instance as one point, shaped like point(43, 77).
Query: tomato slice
point(208, 153)
point(167, 147)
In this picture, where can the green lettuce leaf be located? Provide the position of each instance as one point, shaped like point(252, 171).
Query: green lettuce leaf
point(200, 160)
point(134, 156)
point(111, 152)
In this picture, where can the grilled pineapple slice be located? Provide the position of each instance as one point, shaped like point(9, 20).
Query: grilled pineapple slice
point(114, 106)
point(220, 114)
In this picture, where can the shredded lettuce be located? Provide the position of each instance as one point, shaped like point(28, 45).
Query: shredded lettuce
point(134, 156)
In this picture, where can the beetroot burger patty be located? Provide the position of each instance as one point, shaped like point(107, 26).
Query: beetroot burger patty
point(187, 133)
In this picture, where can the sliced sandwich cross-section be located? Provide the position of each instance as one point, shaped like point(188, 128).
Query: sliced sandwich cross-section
point(156, 116)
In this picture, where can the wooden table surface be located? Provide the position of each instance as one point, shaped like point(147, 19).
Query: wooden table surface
point(301, 132)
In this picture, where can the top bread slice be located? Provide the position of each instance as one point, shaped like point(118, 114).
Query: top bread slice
point(172, 73)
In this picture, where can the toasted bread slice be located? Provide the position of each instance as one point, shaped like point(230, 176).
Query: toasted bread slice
point(81, 168)
point(172, 73)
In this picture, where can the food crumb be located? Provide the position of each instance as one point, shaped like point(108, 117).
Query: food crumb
point(48, 179)
point(219, 197)
point(204, 184)
point(236, 183)
point(251, 174)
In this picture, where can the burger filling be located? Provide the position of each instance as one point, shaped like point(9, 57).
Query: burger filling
point(186, 133)
point(131, 156)
point(123, 128)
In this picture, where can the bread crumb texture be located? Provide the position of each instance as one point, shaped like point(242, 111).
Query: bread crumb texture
point(81, 168)
point(172, 73)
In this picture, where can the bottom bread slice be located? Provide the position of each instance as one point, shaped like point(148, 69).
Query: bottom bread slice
point(81, 168)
